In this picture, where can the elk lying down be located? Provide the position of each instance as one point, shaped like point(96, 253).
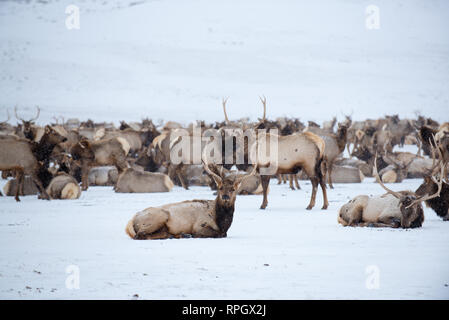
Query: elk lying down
point(103, 176)
point(29, 187)
point(64, 187)
point(134, 181)
point(394, 209)
point(194, 218)
point(346, 174)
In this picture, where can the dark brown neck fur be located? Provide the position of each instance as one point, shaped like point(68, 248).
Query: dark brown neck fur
point(223, 215)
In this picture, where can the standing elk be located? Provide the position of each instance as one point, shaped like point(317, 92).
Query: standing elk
point(100, 153)
point(394, 209)
point(297, 151)
point(194, 218)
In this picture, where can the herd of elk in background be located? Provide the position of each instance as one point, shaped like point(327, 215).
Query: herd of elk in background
point(136, 157)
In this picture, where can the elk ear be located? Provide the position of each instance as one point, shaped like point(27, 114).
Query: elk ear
point(47, 129)
point(84, 144)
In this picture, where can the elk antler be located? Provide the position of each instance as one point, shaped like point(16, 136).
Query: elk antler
point(264, 102)
point(253, 172)
point(32, 119)
point(436, 194)
point(15, 114)
point(37, 115)
point(216, 177)
point(224, 109)
point(376, 174)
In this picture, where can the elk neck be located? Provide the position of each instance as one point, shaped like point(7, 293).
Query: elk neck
point(224, 214)
point(44, 148)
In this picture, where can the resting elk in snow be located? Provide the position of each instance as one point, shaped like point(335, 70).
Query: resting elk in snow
point(394, 209)
point(134, 181)
point(194, 218)
point(64, 187)
point(100, 153)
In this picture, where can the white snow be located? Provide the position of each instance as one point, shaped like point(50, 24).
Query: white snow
point(308, 255)
point(176, 59)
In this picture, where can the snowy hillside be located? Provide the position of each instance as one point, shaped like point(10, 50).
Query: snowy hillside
point(175, 59)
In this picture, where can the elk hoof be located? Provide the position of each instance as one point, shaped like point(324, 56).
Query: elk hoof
point(263, 206)
point(309, 207)
point(324, 207)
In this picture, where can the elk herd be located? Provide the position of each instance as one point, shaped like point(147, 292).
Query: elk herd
point(62, 159)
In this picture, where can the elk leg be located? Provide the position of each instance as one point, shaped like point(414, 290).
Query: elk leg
point(297, 182)
point(290, 181)
point(37, 181)
point(180, 177)
point(323, 189)
point(19, 177)
point(265, 180)
point(279, 176)
point(314, 190)
point(329, 172)
point(84, 176)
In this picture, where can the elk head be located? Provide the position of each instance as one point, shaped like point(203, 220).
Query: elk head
point(52, 137)
point(82, 149)
point(27, 124)
point(227, 186)
point(409, 202)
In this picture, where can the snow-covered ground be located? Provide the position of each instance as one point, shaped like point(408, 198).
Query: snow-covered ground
point(175, 59)
point(284, 252)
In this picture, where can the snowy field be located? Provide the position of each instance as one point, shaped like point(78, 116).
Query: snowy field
point(175, 59)
point(284, 252)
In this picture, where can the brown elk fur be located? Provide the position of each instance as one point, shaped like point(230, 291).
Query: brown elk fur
point(64, 187)
point(133, 181)
point(100, 153)
point(297, 151)
point(194, 218)
point(28, 158)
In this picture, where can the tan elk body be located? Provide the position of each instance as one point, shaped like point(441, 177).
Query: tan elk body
point(193, 218)
point(134, 181)
point(64, 187)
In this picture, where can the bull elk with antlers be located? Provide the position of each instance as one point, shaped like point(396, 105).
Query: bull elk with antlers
point(394, 209)
point(28, 129)
point(194, 218)
point(301, 150)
